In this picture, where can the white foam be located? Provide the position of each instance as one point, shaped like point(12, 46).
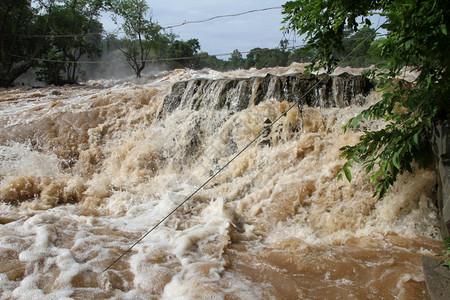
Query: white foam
point(20, 160)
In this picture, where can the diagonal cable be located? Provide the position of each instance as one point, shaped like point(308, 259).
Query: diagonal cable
point(297, 103)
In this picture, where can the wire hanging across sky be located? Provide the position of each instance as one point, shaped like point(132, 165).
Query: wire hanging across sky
point(222, 16)
point(163, 27)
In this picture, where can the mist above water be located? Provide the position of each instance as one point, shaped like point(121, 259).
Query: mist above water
point(86, 170)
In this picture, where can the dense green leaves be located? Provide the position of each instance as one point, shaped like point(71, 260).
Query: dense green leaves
point(19, 19)
point(416, 39)
point(73, 31)
point(47, 31)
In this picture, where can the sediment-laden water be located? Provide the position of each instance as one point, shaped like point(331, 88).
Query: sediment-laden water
point(86, 170)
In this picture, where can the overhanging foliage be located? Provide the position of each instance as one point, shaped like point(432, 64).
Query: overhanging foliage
point(417, 38)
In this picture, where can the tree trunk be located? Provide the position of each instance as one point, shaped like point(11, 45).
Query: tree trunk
point(139, 69)
point(6, 80)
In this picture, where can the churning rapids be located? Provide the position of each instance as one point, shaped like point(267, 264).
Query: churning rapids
point(86, 170)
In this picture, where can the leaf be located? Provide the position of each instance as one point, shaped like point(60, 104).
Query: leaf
point(375, 176)
point(347, 172)
point(416, 139)
point(346, 126)
point(409, 43)
point(356, 159)
point(443, 29)
point(395, 159)
point(356, 120)
point(383, 190)
point(384, 168)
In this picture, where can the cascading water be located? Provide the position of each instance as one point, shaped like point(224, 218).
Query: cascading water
point(86, 170)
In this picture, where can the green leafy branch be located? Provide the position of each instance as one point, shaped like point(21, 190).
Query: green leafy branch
point(446, 255)
point(390, 151)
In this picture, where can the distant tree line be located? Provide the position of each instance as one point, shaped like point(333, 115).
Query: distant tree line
point(354, 52)
point(52, 37)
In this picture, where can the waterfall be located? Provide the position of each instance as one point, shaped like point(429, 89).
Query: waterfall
point(237, 94)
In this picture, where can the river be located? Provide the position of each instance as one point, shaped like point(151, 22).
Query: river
point(86, 170)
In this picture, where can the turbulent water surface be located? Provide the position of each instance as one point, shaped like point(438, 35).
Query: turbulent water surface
point(86, 170)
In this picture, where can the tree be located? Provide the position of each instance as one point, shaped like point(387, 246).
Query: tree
point(236, 61)
point(266, 58)
point(417, 37)
point(73, 31)
point(184, 53)
point(210, 61)
point(18, 22)
point(141, 33)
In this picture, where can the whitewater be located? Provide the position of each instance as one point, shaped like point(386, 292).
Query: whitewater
point(86, 170)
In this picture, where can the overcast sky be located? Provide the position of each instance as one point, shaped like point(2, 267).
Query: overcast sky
point(223, 35)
